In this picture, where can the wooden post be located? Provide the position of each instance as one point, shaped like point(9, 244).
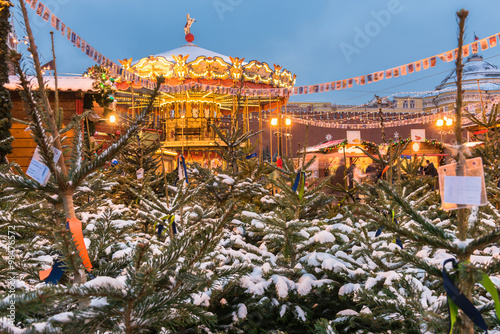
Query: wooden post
point(260, 134)
point(466, 284)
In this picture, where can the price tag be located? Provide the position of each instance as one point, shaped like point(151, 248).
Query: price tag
point(140, 173)
point(38, 170)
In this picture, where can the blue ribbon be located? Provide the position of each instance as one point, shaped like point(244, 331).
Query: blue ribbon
point(184, 167)
point(56, 273)
point(397, 240)
point(171, 219)
point(250, 156)
point(296, 183)
point(456, 298)
point(160, 228)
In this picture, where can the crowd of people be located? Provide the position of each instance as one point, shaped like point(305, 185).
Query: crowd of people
point(373, 172)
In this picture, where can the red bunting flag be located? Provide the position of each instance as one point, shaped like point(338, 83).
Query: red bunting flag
point(411, 68)
point(403, 70)
point(39, 9)
point(475, 47)
point(425, 63)
point(484, 44)
point(418, 66)
point(493, 41)
point(466, 51)
point(46, 14)
point(388, 74)
point(395, 71)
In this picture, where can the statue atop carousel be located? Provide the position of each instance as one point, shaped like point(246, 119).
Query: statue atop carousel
point(187, 28)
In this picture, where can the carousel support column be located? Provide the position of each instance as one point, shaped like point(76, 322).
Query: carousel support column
point(213, 110)
point(133, 100)
point(248, 118)
point(166, 117)
point(260, 133)
point(280, 127)
point(234, 118)
point(270, 128)
point(286, 132)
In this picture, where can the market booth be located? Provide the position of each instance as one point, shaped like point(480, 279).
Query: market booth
point(331, 154)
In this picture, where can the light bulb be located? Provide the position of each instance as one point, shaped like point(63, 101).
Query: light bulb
point(440, 122)
point(112, 118)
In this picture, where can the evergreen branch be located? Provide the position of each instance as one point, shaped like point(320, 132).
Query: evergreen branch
point(91, 166)
point(413, 213)
point(482, 242)
point(24, 183)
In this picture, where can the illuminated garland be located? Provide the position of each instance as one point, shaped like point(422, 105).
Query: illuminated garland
point(435, 143)
point(332, 148)
point(399, 142)
point(370, 145)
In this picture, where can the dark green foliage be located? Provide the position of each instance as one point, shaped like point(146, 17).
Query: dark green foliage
point(5, 102)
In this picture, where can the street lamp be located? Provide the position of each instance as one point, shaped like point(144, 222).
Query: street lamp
point(444, 124)
point(288, 122)
point(274, 122)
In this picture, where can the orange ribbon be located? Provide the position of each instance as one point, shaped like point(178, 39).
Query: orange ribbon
point(75, 227)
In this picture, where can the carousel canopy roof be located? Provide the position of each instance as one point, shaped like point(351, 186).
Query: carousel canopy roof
point(194, 51)
point(193, 64)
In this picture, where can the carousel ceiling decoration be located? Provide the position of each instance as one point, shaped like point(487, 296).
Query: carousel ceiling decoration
point(206, 68)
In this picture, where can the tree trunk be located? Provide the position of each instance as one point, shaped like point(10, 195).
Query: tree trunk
point(466, 284)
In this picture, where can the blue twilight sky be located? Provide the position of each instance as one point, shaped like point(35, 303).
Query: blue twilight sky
point(319, 40)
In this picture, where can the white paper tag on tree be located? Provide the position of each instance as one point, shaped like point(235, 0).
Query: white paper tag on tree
point(140, 173)
point(38, 170)
point(462, 190)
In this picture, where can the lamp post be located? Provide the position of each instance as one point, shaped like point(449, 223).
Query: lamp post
point(182, 141)
point(288, 123)
point(274, 122)
point(444, 125)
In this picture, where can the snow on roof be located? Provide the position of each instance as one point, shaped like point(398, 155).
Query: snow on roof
point(194, 51)
point(64, 83)
point(475, 68)
point(317, 148)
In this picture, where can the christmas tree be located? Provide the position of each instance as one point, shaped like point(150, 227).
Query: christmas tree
point(5, 103)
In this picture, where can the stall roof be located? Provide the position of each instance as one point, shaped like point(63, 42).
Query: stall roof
point(328, 144)
point(64, 83)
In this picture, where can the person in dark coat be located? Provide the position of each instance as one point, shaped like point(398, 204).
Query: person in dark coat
point(430, 169)
point(350, 172)
point(338, 179)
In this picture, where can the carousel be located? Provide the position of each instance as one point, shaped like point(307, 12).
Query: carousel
point(203, 88)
